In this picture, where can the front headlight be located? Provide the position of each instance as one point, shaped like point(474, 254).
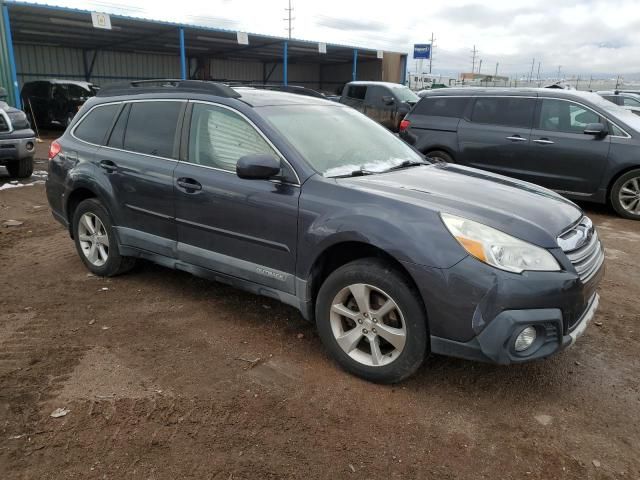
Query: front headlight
point(498, 249)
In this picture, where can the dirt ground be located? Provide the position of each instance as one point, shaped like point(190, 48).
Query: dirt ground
point(169, 376)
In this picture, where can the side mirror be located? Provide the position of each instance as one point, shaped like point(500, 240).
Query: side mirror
point(596, 129)
point(388, 100)
point(258, 166)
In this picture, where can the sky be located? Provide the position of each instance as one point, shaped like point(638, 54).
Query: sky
point(587, 37)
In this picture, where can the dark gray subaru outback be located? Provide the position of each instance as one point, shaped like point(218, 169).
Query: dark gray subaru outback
point(312, 203)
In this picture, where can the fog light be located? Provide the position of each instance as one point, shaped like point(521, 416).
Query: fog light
point(29, 146)
point(525, 339)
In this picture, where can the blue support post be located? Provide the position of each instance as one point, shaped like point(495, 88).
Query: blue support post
point(285, 64)
point(355, 65)
point(403, 66)
point(12, 58)
point(183, 56)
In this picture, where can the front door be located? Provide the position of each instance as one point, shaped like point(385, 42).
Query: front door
point(243, 228)
point(377, 108)
point(564, 158)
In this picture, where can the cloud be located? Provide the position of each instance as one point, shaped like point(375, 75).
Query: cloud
point(351, 24)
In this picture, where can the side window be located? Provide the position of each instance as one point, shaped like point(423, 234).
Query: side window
point(94, 127)
point(152, 128)
point(442, 106)
point(631, 102)
point(562, 116)
point(116, 139)
point(507, 111)
point(374, 95)
point(357, 91)
point(219, 138)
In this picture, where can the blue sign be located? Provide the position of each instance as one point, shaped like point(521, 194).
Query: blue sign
point(422, 50)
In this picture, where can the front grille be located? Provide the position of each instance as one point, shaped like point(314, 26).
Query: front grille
point(583, 248)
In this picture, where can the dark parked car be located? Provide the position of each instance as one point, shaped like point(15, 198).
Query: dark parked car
point(575, 143)
point(55, 102)
point(17, 140)
point(628, 100)
point(386, 103)
point(309, 202)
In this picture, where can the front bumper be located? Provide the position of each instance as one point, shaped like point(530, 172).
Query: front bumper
point(476, 311)
point(17, 148)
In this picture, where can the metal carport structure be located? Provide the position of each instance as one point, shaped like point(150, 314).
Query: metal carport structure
point(42, 41)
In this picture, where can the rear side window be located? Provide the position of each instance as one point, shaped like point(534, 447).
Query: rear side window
point(357, 91)
point(507, 111)
point(117, 134)
point(631, 102)
point(94, 127)
point(152, 128)
point(442, 106)
point(564, 116)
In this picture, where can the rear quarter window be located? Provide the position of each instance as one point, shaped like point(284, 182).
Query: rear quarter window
point(442, 106)
point(357, 91)
point(94, 127)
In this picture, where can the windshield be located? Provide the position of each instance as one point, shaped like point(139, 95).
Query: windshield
point(339, 140)
point(404, 94)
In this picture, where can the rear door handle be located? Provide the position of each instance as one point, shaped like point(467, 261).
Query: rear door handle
point(517, 138)
point(544, 141)
point(108, 166)
point(189, 184)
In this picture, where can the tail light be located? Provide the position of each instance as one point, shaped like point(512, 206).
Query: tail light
point(54, 149)
point(404, 125)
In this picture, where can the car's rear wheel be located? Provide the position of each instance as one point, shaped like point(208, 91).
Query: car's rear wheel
point(438, 156)
point(625, 195)
point(96, 242)
point(21, 168)
point(372, 321)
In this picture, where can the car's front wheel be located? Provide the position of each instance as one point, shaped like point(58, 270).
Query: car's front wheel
point(372, 321)
point(625, 195)
point(95, 240)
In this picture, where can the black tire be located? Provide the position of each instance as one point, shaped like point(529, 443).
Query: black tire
point(615, 198)
point(438, 156)
point(383, 276)
point(22, 168)
point(115, 264)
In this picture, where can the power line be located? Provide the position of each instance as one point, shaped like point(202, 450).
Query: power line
point(289, 18)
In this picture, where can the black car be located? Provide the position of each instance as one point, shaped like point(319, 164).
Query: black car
point(576, 143)
point(55, 102)
point(310, 202)
point(386, 103)
point(17, 140)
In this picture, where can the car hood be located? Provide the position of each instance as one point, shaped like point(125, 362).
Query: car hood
point(518, 208)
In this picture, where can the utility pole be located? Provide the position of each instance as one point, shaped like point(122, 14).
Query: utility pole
point(496, 74)
point(559, 67)
point(531, 73)
point(617, 82)
point(538, 74)
point(473, 59)
point(590, 80)
point(289, 18)
point(431, 52)
point(480, 66)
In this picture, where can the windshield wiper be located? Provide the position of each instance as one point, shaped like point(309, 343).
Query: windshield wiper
point(407, 164)
point(356, 173)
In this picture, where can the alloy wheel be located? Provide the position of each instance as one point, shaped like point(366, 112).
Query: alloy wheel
point(629, 196)
point(94, 239)
point(368, 325)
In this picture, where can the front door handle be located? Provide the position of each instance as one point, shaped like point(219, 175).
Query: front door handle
point(544, 141)
point(108, 166)
point(189, 184)
point(517, 138)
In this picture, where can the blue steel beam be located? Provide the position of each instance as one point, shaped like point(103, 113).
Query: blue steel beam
point(354, 75)
point(183, 56)
point(12, 58)
point(285, 73)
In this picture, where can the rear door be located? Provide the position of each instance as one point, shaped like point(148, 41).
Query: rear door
point(242, 228)
point(496, 135)
point(354, 96)
point(138, 161)
point(434, 121)
point(563, 157)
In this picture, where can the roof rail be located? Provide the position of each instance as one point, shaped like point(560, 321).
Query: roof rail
point(165, 85)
